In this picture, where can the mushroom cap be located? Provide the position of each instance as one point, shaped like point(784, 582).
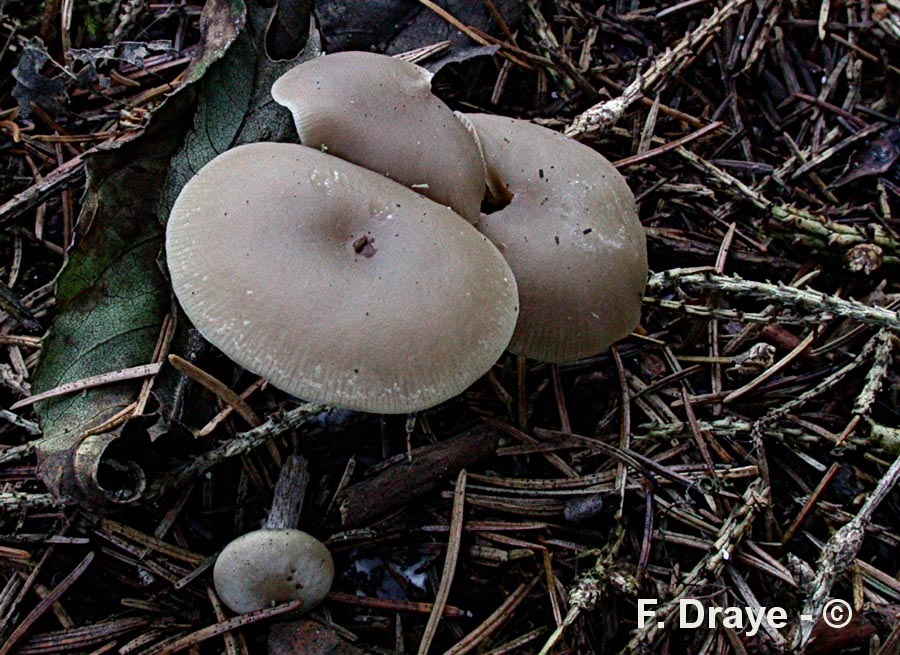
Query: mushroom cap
point(272, 566)
point(379, 112)
point(571, 235)
point(336, 283)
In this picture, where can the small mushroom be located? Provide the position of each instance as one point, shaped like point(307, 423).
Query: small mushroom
point(336, 283)
point(570, 232)
point(276, 563)
point(379, 112)
point(265, 567)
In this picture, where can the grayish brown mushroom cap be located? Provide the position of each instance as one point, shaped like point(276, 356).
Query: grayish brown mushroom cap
point(336, 283)
point(571, 235)
point(265, 567)
point(379, 112)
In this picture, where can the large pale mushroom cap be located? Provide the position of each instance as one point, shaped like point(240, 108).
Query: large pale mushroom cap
point(336, 283)
point(379, 112)
point(265, 567)
point(571, 235)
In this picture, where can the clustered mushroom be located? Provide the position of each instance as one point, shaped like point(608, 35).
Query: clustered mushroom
point(335, 282)
point(570, 232)
point(379, 112)
point(347, 270)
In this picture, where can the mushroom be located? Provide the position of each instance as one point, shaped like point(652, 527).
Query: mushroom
point(570, 232)
point(276, 563)
point(267, 566)
point(379, 112)
point(336, 283)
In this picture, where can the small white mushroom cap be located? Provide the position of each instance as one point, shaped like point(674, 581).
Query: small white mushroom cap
point(265, 567)
point(379, 112)
point(336, 283)
point(571, 235)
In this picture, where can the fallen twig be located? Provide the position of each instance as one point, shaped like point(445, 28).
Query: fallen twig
point(605, 114)
point(780, 294)
point(837, 556)
point(240, 444)
point(710, 567)
point(824, 231)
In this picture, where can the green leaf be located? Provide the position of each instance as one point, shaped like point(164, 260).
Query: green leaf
point(235, 104)
point(112, 295)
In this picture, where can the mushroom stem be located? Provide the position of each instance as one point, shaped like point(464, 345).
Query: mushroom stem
point(290, 490)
